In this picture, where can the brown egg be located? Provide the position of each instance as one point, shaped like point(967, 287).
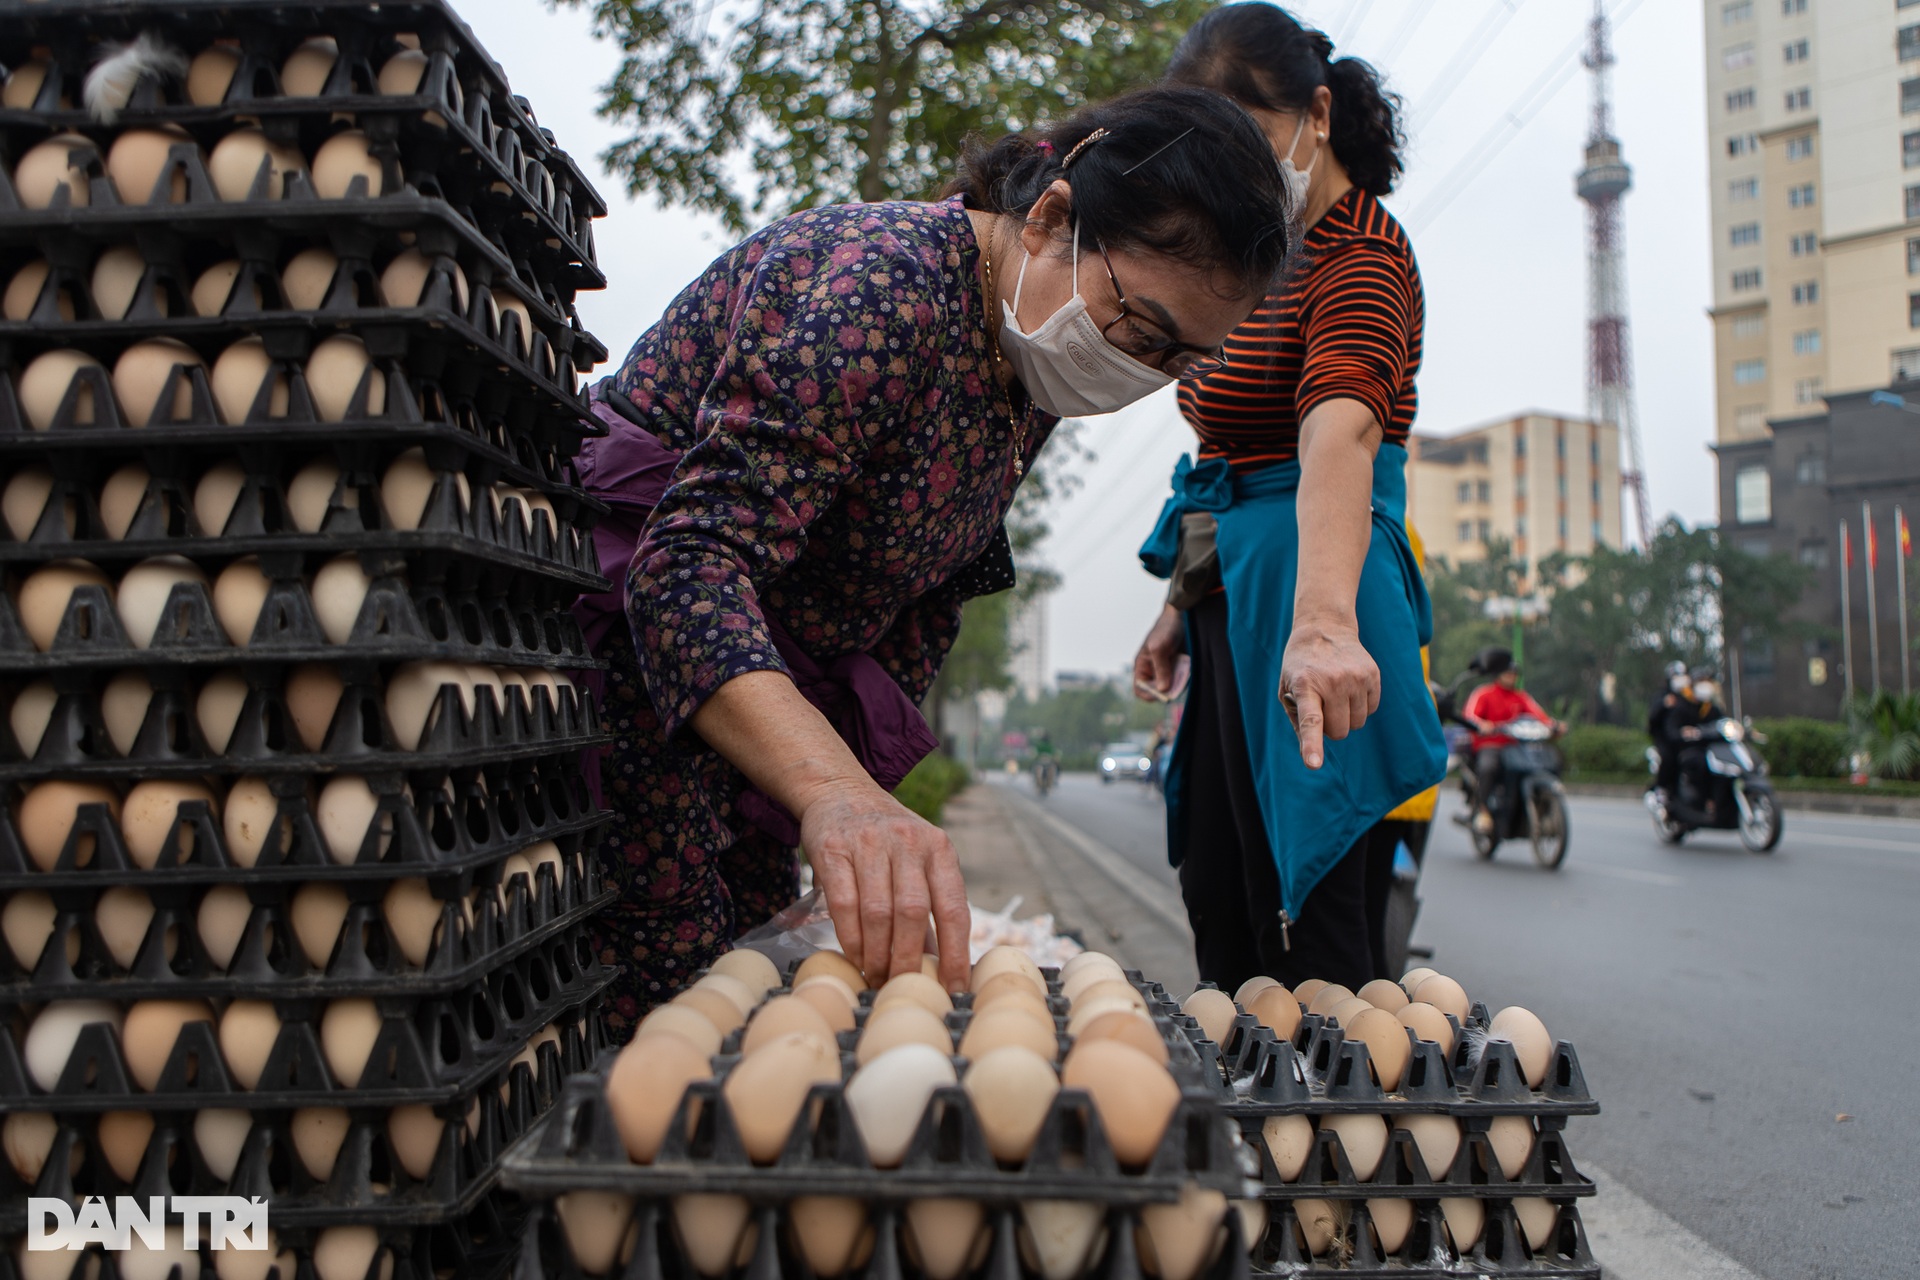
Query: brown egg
point(152, 809)
point(252, 810)
point(1466, 1219)
point(318, 1133)
point(307, 277)
point(1327, 998)
point(783, 1016)
point(312, 491)
point(145, 590)
point(833, 964)
point(1392, 1221)
point(1129, 1027)
point(1538, 1218)
point(123, 705)
point(1289, 1143)
point(404, 281)
point(1012, 1089)
point(120, 499)
point(1250, 988)
point(221, 922)
point(28, 1137)
point(917, 988)
point(348, 1030)
point(749, 966)
point(24, 501)
point(1412, 978)
point(334, 373)
point(136, 161)
point(1004, 959)
point(400, 75)
point(348, 1253)
point(43, 388)
point(508, 304)
point(217, 708)
point(831, 1232)
point(1382, 994)
point(413, 918)
point(339, 590)
point(413, 693)
point(1511, 1138)
point(248, 1029)
point(274, 1262)
point(304, 75)
point(827, 998)
point(348, 813)
point(415, 1132)
point(215, 496)
point(1214, 1010)
point(340, 160)
point(319, 910)
point(1108, 989)
point(714, 1232)
point(116, 281)
point(239, 374)
point(122, 1137)
point(220, 1134)
point(1009, 1025)
point(1179, 1239)
point(313, 692)
point(49, 167)
point(30, 714)
point(239, 593)
point(1363, 1138)
point(765, 1092)
point(645, 1087)
point(123, 914)
point(945, 1236)
point(1306, 991)
point(1428, 1023)
point(1010, 988)
point(1387, 1046)
point(1532, 1045)
point(27, 919)
point(24, 289)
point(46, 816)
point(716, 1008)
point(1348, 1009)
point(1134, 1095)
point(213, 288)
point(50, 1039)
point(1087, 1012)
point(598, 1227)
point(1446, 995)
point(690, 1026)
point(904, 1022)
point(24, 83)
point(151, 1029)
point(1277, 1010)
point(1438, 1138)
point(407, 488)
point(209, 76)
point(239, 159)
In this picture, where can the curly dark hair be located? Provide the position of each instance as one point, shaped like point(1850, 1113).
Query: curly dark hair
point(1260, 55)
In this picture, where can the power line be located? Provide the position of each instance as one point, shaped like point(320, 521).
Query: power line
point(1407, 30)
point(1471, 50)
point(1356, 18)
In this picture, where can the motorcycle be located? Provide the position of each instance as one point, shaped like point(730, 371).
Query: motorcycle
point(1046, 772)
point(1723, 787)
point(1530, 803)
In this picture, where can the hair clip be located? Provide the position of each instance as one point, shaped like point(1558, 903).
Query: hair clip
point(1082, 145)
point(1044, 146)
point(1157, 150)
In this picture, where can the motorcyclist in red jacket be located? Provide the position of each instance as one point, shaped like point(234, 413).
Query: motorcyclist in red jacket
point(1489, 709)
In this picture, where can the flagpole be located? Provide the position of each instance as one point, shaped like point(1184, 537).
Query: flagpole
point(1873, 616)
point(1846, 608)
point(1901, 543)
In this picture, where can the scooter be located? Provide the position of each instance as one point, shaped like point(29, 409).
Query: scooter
point(1529, 803)
point(1723, 787)
point(1046, 772)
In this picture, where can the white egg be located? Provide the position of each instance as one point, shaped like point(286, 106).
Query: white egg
point(28, 1137)
point(220, 1135)
point(889, 1094)
point(50, 1039)
point(172, 1258)
point(347, 813)
point(145, 591)
point(339, 591)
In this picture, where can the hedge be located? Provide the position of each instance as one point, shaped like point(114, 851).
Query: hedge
point(1604, 749)
point(933, 782)
point(1802, 747)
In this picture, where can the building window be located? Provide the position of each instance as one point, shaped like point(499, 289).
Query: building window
point(1913, 201)
point(1743, 189)
point(1913, 257)
point(1749, 326)
point(1795, 51)
point(1810, 469)
point(1737, 12)
point(1483, 491)
point(1562, 486)
point(1909, 97)
point(1486, 531)
point(1748, 372)
point(1806, 342)
point(1752, 496)
point(1806, 391)
point(1563, 531)
point(1906, 365)
point(1813, 555)
point(1800, 148)
point(1743, 144)
point(1737, 56)
point(1520, 442)
point(1465, 531)
point(1800, 197)
point(1756, 657)
point(1749, 418)
point(1520, 486)
point(1741, 100)
point(1909, 42)
point(1804, 244)
point(1462, 491)
point(1519, 526)
point(1800, 99)
point(1791, 7)
point(1598, 537)
point(1913, 311)
point(1747, 279)
point(1745, 233)
point(1806, 293)
point(1595, 497)
point(1593, 451)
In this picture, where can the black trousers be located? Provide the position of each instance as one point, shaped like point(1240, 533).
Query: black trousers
point(1228, 880)
point(1668, 776)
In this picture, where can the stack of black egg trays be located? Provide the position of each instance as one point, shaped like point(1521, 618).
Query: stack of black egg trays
point(1319, 1072)
point(576, 1147)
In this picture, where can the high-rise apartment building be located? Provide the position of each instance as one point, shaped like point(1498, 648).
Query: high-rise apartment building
point(1813, 111)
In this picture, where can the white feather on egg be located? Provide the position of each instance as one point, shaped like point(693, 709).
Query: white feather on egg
point(111, 83)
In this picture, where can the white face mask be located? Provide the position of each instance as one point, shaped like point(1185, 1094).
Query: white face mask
point(1297, 179)
point(1067, 365)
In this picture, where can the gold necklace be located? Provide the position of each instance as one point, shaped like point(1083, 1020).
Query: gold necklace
point(999, 361)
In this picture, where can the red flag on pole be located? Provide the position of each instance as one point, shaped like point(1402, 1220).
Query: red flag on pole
point(1906, 534)
point(1873, 547)
point(1846, 546)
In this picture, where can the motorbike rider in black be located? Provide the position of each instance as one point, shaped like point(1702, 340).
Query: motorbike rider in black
point(1666, 781)
point(1683, 724)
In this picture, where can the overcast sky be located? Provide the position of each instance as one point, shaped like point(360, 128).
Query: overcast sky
point(1488, 201)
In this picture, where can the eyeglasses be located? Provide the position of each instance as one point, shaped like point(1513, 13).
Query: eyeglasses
point(1183, 362)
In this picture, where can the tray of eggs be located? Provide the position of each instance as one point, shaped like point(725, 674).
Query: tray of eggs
point(70, 833)
point(355, 104)
point(1407, 1239)
point(211, 286)
point(311, 718)
point(416, 934)
point(478, 1245)
point(89, 1055)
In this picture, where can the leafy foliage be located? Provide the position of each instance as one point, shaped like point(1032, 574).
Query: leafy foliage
point(756, 108)
point(1802, 747)
point(934, 781)
point(1604, 751)
point(1886, 729)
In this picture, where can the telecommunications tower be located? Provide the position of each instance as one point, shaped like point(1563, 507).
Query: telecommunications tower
point(1601, 183)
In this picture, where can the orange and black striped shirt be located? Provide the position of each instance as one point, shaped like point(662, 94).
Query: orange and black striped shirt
point(1346, 325)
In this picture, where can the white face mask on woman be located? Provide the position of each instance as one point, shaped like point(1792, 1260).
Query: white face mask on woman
point(1067, 365)
point(1297, 179)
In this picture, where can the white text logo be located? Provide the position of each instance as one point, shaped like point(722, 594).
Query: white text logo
point(230, 1222)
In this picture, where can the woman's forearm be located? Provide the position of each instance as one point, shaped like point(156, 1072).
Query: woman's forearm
point(763, 725)
point(1337, 446)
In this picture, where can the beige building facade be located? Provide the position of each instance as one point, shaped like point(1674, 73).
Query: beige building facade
point(1542, 482)
point(1813, 110)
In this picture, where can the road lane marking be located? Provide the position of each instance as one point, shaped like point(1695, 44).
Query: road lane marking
point(1633, 1240)
point(1660, 878)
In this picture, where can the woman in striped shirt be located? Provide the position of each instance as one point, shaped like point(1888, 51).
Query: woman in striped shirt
point(1308, 718)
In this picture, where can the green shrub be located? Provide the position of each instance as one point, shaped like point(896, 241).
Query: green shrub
point(933, 782)
point(1604, 749)
point(1802, 747)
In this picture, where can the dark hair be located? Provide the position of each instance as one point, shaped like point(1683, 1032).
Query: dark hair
point(1259, 55)
point(1179, 171)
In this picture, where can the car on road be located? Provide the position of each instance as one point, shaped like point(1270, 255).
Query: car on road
point(1126, 761)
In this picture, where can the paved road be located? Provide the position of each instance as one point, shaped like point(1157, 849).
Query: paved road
point(1729, 1011)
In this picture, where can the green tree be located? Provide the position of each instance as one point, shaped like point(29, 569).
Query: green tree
point(777, 105)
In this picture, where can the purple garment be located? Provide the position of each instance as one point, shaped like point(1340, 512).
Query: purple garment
point(629, 469)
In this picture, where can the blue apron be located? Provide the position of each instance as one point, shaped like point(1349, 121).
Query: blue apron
point(1312, 816)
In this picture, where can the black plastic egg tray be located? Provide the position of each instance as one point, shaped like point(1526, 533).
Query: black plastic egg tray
point(462, 132)
point(1475, 1173)
point(171, 743)
point(478, 818)
point(417, 608)
point(1500, 1252)
point(430, 1049)
point(172, 961)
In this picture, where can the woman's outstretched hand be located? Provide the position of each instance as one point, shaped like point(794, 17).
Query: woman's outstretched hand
point(1329, 684)
point(883, 868)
